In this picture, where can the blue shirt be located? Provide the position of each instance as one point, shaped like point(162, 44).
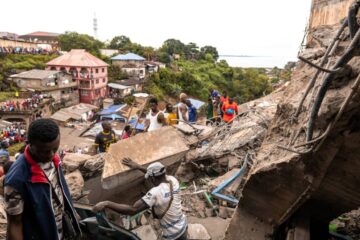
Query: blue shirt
point(4, 155)
point(192, 114)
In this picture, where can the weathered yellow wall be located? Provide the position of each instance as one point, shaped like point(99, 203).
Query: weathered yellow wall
point(328, 12)
point(13, 43)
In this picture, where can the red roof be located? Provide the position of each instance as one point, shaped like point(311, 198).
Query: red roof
point(41, 34)
point(77, 58)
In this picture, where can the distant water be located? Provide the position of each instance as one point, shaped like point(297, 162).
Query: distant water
point(258, 62)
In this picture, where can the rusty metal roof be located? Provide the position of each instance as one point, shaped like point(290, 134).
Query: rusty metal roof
point(77, 58)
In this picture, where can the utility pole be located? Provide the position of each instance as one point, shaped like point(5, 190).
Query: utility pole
point(95, 26)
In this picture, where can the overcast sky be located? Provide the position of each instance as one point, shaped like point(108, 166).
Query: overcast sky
point(237, 27)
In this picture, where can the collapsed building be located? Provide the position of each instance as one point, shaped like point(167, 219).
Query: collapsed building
point(306, 171)
point(292, 155)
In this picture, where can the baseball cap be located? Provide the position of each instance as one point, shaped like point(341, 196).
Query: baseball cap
point(155, 169)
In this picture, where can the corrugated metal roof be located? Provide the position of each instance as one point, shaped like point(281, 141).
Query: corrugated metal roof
point(35, 74)
point(77, 58)
point(73, 112)
point(118, 86)
point(128, 57)
point(41, 34)
point(112, 109)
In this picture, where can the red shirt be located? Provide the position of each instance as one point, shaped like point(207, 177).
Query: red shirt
point(223, 99)
point(125, 136)
point(229, 111)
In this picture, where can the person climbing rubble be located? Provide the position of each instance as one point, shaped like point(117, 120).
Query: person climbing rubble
point(126, 133)
point(192, 111)
point(105, 138)
point(183, 113)
point(163, 199)
point(230, 110)
point(155, 118)
point(170, 116)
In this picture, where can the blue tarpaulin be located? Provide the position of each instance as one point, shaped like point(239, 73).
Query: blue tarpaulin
point(112, 116)
point(112, 109)
point(139, 126)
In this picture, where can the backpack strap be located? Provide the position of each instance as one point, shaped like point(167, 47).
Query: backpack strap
point(168, 207)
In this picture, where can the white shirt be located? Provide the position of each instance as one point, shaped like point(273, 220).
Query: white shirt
point(154, 124)
point(181, 122)
point(174, 223)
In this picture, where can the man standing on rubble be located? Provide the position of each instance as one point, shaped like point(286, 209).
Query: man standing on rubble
point(183, 113)
point(230, 110)
point(37, 198)
point(164, 200)
point(155, 118)
point(105, 138)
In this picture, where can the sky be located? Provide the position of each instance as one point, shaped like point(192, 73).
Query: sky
point(270, 28)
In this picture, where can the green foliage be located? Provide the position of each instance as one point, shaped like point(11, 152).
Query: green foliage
point(14, 149)
point(74, 40)
point(209, 50)
point(280, 74)
point(120, 42)
point(115, 73)
point(12, 63)
point(194, 78)
point(6, 95)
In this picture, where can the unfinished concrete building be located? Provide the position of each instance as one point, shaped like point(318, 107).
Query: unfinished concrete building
point(307, 170)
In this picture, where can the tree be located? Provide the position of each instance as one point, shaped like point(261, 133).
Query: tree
point(74, 40)
point(120, 42)
point(211, 50)
point(192, 51)
point(173, 46)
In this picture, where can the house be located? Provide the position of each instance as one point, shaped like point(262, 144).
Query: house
point(59, 85)
point(130, 63)
point(9, 36)
point(79, 112)
point(109, 52)
point(41, 37)
point(152, 66)
point(118, 91)
point(133, 70)
point(90, 73)
point(135, 83)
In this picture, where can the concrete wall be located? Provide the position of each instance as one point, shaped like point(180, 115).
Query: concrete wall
point(328, 12)
point(13, 43)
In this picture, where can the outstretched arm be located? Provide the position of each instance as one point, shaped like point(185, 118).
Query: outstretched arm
point(133, 165)
point(125, 209)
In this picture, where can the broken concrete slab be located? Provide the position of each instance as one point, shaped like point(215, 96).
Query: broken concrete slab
point(197, 231)
point(230, 189)
point(73, 161)
point(75, 183)
point(204, 131)
point(164, 145)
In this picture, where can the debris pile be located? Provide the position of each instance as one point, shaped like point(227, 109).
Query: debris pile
point(216, 154)
point(347, 224)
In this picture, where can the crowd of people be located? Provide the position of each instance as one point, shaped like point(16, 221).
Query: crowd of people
point(21, 50)
point(12, 105)
point(12, 134)
point(220, 108)
point(28, 202)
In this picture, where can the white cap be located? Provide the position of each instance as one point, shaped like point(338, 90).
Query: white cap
point(155, 169)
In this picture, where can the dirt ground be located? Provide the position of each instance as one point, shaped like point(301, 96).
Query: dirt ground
point(70, 138)
point(215, 226)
